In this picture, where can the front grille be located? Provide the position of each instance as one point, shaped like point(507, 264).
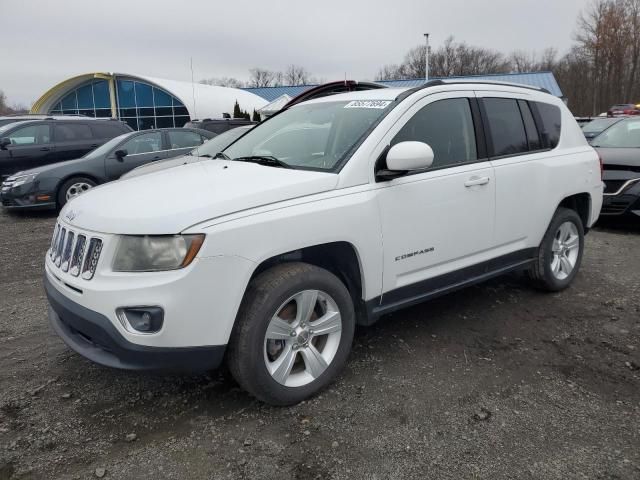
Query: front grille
point(612, 186)
point(75, 253)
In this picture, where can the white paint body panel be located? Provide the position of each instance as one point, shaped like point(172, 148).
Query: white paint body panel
point(251, 213)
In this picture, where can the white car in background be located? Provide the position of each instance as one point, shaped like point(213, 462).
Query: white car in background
point(268, 257)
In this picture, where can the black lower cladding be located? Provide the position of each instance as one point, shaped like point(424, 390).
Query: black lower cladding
point(92, 335)
point(434, 287)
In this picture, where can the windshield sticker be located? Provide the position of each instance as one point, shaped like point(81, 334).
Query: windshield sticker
point(368, 104)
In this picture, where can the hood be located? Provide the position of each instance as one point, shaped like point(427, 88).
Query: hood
point(620, 156)
point(163, 165)
point(169, 201)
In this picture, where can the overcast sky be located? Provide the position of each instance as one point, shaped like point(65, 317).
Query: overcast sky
point(43, 42)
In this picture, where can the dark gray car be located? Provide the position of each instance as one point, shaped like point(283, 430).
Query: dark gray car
point(619, 149)
point(52, 186)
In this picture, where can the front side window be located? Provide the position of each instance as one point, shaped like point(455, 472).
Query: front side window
point(183, 139)
point(624, 134)
point(447, 127)
point(71, 132)
point(32, 135)
point(147, 143)
point(316, 136)
point(506, 127)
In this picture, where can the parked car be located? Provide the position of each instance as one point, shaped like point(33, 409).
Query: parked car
point(270, 257)
point(598, 125)
point(54, 185)
point(30, 144)
point(219, 125)
point(619, 149)
point(208, 149)
point(623, 109)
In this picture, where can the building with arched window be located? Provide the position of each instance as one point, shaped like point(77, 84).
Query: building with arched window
point(143, 102)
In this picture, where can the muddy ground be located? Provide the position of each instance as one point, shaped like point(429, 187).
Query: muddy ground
point(497, 381)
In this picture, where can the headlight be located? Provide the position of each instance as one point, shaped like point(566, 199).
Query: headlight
point(22, 179)
point(156, 253)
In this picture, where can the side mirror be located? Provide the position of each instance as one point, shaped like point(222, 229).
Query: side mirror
point(404, 157)
point(120, 154)
point(4, 143)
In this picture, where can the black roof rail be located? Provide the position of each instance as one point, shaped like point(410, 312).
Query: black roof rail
point(437, 83)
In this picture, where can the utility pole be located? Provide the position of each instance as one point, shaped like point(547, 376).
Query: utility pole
point(426, 58)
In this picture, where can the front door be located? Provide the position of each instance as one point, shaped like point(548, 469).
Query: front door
point(30, 147)
point(141, 149)
point(441, 219)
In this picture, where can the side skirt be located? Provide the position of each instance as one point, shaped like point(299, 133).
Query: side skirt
point(449, 282)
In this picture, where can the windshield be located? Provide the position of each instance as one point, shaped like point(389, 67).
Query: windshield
point(219, 142)
point(625, 134)
point(314, 136)
point(105, 147)
point(599, 125)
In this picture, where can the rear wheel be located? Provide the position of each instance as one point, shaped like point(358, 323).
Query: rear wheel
point(72, 188)
point(293, 333)
point(560, 253)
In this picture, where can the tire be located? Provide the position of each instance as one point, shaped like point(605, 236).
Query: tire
point(560, 253)
point(259, 364)
point(74, 182)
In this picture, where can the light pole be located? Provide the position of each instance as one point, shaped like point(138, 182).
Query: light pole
point(426, 58)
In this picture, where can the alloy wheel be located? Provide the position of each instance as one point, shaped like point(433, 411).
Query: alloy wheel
point(565, 249)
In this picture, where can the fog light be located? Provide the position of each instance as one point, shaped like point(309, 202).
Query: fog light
point(141, 319)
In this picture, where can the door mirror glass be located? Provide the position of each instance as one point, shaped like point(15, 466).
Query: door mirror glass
point(120, 154)
point(407, 156)
point(4, 143)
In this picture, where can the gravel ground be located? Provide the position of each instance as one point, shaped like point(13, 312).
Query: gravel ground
point(496, 381)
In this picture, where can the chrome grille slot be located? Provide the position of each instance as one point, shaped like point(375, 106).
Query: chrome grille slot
point(59, 247)
point(74, 252)
point(92, 257)
point(78, 255)
point(66, 252)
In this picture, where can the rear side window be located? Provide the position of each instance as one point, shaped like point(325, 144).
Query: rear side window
point(32, 135)
point(102, 129)
point(530, 126)
point(447, 127)
point(183, 139)
point(71, 132)
point(506, 128)
point(549, 124)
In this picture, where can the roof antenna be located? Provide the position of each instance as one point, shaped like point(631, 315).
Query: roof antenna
point(193, 90)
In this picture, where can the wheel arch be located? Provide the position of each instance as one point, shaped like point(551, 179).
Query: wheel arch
point(340, 258)
point(64, 179)
point(581, 204)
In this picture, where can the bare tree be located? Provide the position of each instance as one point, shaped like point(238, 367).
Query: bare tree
point(296, 75)
point(260, 77)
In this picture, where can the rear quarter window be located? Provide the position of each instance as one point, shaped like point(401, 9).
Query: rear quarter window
point(549, 124)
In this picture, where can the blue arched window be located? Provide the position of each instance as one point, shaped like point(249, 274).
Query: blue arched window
point(139, 104)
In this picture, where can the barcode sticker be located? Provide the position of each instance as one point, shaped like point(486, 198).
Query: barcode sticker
point(368, 104)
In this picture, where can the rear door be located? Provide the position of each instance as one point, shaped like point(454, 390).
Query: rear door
point(31, 146)
point(142, 148)
point(73, 139)
point(181, 141)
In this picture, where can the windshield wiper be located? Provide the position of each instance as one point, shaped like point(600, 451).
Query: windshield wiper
point(266, 160)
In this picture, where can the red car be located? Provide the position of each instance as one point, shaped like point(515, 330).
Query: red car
point(623, 109)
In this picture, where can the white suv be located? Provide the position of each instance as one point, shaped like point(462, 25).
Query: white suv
point(330, 214)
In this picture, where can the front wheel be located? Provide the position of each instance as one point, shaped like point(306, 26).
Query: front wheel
point(293, 333)
point(560, 253)
point(72, 188)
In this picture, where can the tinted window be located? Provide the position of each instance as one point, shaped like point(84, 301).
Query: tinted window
point(551, 124)
point(530, 126)
point(106, 129)
point(447, 126)
point(183, 139)
point(505, 126)
point(149, 142)
point(32, 135)
point(72, 131)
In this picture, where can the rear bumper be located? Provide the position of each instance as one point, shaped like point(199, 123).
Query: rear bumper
point(92, 335)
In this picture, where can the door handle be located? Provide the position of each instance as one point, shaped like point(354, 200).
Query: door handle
point(473, 181)
point(95, 145)
point(45, 149)
point(156, 158)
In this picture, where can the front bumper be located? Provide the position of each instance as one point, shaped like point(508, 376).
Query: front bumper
point(93, 336)
point(27, 197)
point(627, 205)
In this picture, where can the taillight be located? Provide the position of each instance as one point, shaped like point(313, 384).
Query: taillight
point(601, 167)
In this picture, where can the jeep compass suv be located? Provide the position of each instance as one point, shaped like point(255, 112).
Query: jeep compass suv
point(330, 214)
